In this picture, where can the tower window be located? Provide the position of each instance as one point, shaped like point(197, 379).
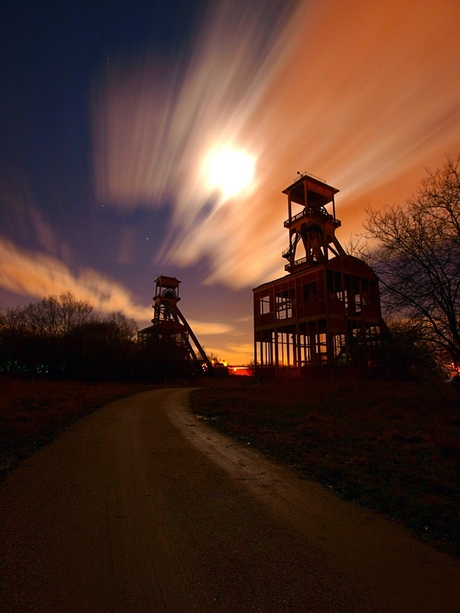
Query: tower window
point(310, 292)
point(264, 305)
point(284, 304)
point(334, 284)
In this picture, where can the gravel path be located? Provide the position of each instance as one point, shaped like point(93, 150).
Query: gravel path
point(140, 507)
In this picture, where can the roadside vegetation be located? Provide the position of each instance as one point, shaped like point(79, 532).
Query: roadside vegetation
point(391, 446)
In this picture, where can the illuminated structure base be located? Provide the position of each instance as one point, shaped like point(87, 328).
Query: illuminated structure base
point(326, 311)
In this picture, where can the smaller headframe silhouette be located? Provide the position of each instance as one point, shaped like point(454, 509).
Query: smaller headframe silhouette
point(170, 331)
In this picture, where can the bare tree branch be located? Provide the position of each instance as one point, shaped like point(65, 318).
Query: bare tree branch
point(415, 250)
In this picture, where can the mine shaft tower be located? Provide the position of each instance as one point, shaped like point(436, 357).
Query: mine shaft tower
point(170, 335)
point(326, 310)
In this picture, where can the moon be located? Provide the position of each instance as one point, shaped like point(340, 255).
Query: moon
point(231, 171)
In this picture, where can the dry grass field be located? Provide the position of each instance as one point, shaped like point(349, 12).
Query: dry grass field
point(390, 446)
point(32, 413)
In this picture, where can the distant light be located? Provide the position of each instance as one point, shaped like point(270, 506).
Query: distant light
point(231, 171)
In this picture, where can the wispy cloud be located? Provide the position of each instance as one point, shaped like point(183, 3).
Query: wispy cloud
point(209, 328)
point(364, 94)
point(37, 275)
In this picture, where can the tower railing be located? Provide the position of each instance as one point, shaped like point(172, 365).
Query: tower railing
point(318, 213)
point(290, 267)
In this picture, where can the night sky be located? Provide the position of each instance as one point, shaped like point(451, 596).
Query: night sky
point(113, 112)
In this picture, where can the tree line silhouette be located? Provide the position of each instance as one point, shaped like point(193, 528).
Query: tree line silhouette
point(63, 338)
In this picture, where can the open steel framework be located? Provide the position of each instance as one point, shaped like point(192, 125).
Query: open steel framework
point(326, 310)
point(170, 334)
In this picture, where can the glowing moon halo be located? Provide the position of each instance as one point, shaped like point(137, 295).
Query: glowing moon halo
point(231, 171)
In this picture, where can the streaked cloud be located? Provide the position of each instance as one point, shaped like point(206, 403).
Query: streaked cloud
point(363, 94)
point(209, 329)
point(37, 275)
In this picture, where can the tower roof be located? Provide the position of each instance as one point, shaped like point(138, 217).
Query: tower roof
point(166, 281)
point(311, 190)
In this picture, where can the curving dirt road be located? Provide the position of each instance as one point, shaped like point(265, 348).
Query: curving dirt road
point(140, 507)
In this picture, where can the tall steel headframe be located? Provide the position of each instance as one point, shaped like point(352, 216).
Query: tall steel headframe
point(326, 310)
point(313, 228)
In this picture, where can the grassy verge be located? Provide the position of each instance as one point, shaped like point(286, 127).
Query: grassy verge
point(32, 413)
point(390, 446)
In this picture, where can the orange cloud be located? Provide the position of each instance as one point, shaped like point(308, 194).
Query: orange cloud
point(364, 94)
point(39, 275)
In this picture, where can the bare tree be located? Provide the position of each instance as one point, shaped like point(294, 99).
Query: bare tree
point(417, 258)
point(52, 316)
point(61, 336)
point(73, 312)
point(125, 329)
